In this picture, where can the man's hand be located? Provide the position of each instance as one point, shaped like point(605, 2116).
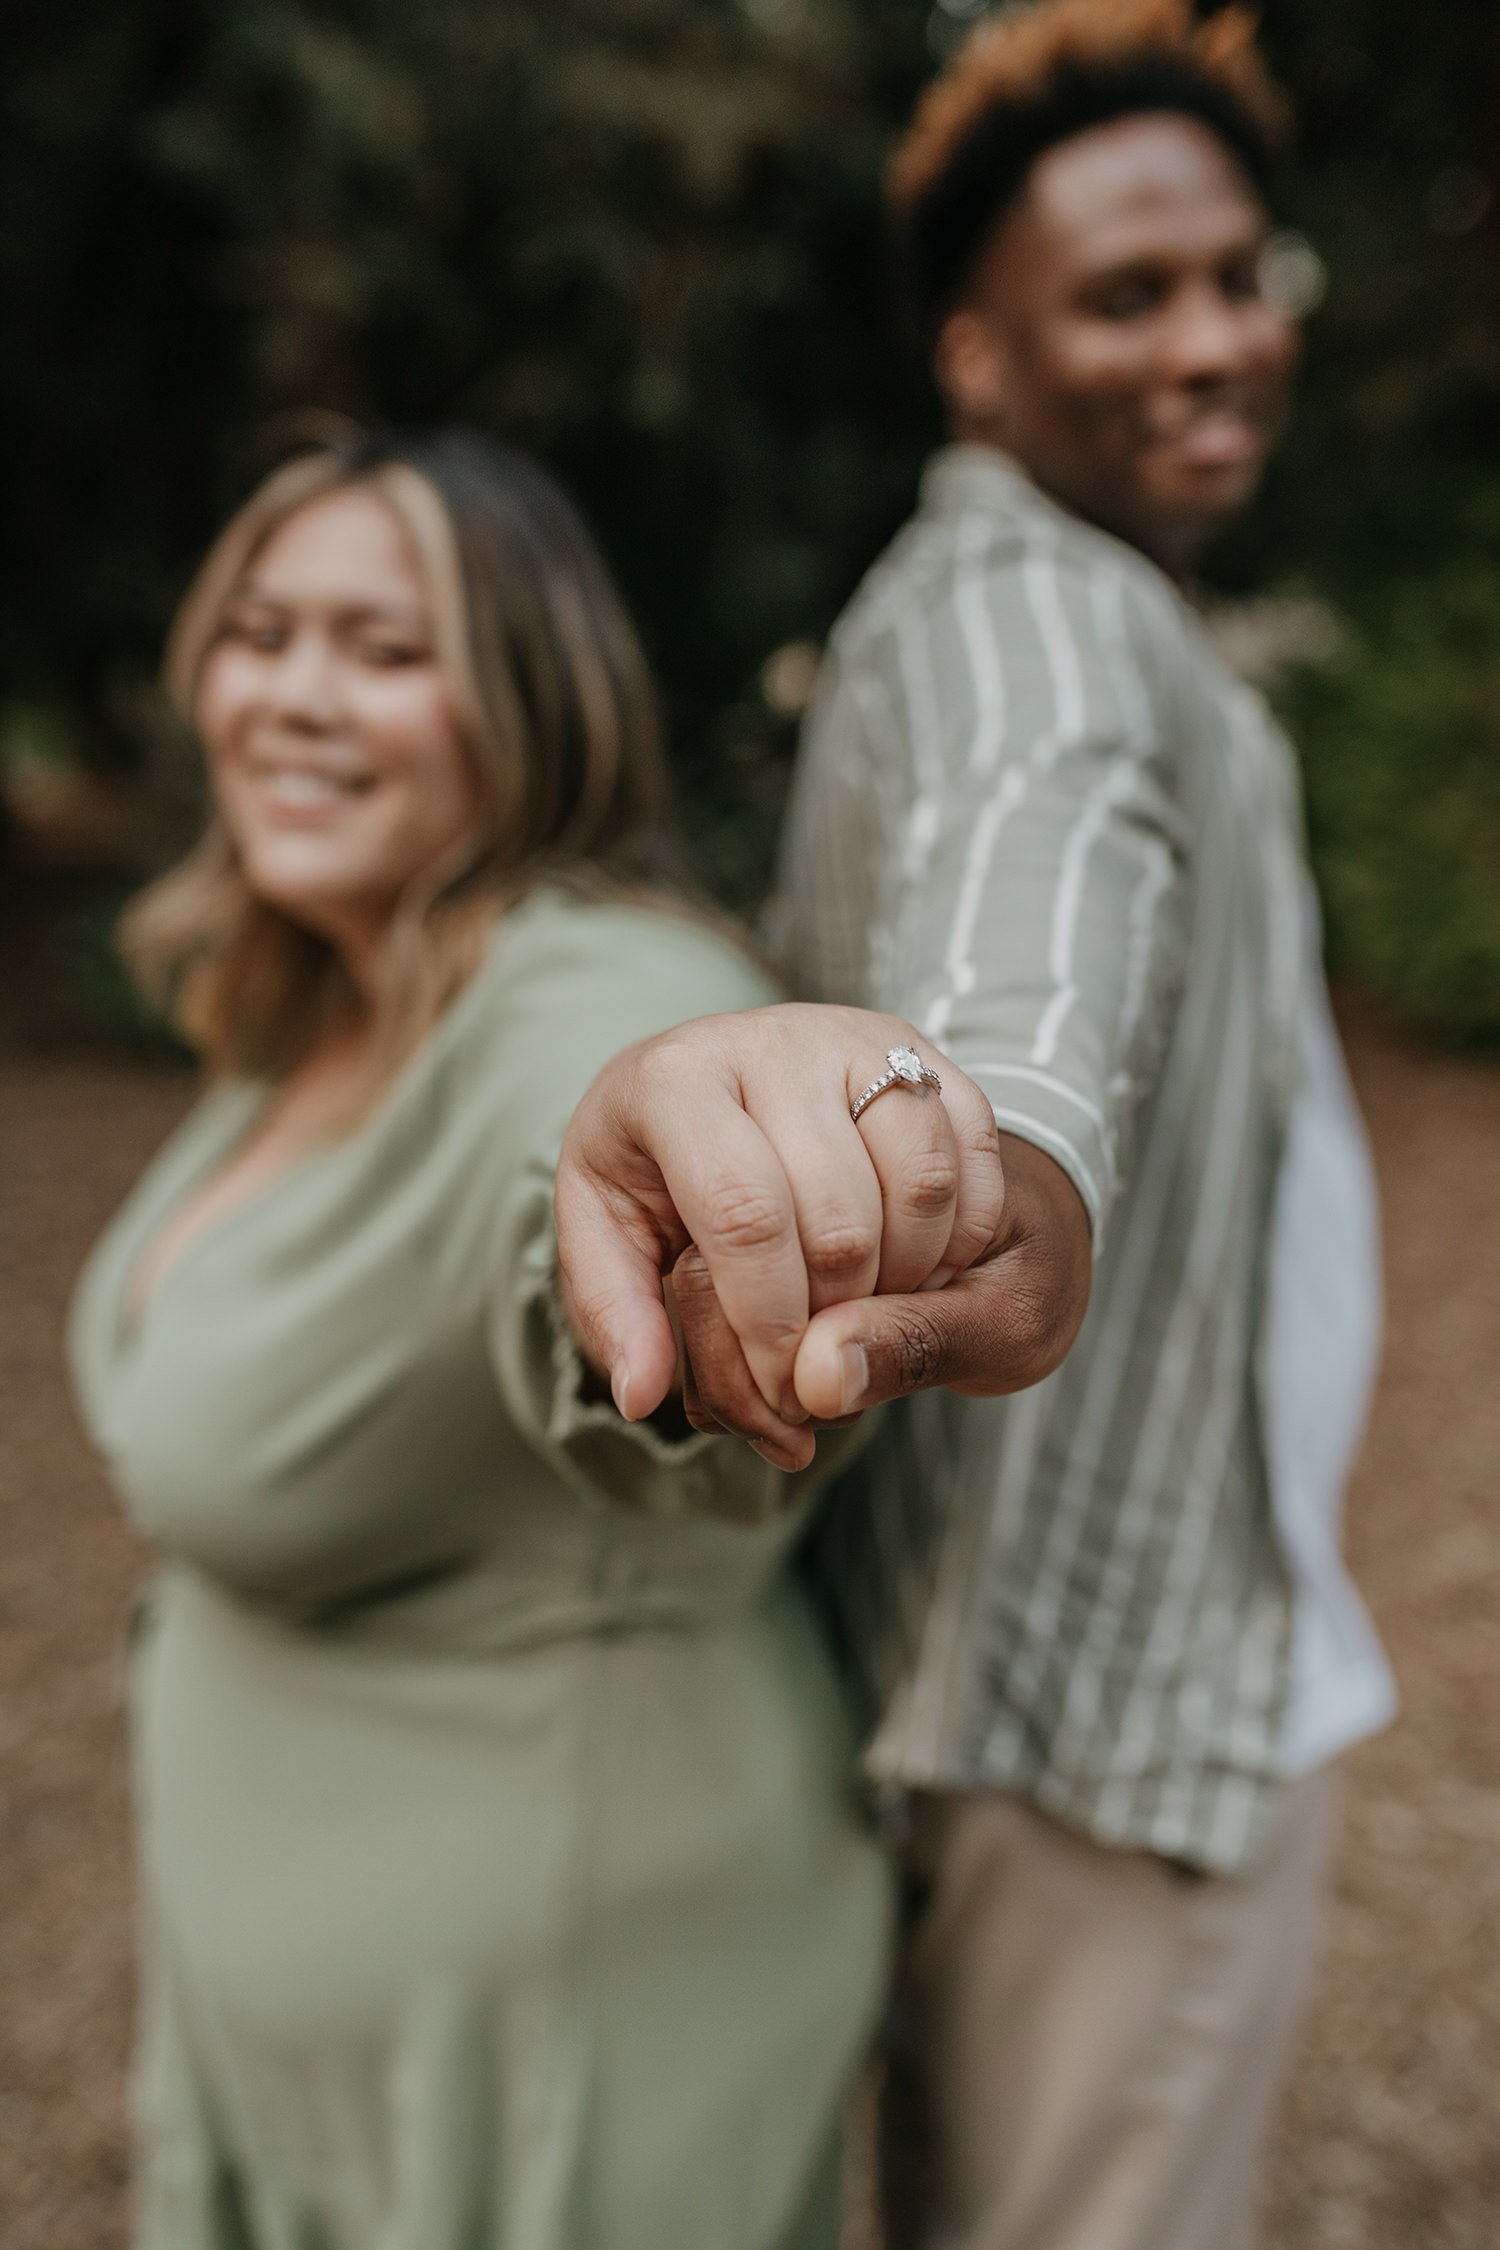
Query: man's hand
point(733, 1134)
point(1000, 1325)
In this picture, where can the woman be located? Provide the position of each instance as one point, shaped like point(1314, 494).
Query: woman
point(502, 1886)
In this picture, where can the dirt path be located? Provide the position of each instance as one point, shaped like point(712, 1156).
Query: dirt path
point(72, 1137)
point(1392, 2137)
point(1391, 2140)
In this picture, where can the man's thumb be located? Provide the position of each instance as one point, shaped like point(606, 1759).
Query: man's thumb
point(875, 1348)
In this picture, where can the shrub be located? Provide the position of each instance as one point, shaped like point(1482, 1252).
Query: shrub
point(1401, 738)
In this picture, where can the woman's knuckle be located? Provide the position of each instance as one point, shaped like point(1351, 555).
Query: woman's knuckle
point(929, 1183)
point(743, 1219)
point(976, 1126)
point(840, 1249)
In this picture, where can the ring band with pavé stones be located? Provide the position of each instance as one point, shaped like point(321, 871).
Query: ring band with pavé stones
point(906, 1069)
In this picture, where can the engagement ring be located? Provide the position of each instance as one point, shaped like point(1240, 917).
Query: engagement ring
point(907, 1069)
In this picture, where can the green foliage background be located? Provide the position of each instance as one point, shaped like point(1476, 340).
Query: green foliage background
point(642, 236)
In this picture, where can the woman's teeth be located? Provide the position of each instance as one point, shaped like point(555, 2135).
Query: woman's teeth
point(299, 789)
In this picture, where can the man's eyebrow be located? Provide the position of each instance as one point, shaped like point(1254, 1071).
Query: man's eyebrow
point(1129, 261)
point(1114, 260)
point(1116, 264)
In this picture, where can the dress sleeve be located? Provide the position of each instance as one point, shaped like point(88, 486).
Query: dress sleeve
point(627, 981)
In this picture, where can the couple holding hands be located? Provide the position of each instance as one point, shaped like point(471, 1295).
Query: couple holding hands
point(546, 1797)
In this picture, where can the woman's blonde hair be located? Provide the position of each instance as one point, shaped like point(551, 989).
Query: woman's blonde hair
point(558, 714)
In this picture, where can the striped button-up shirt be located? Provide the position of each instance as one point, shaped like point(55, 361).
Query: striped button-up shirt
point(1036, 815)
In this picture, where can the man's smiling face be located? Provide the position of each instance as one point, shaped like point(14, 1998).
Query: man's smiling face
point(1116, 339)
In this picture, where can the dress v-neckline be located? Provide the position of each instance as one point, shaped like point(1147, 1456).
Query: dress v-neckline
point(135, 1307)
point(133, 1312)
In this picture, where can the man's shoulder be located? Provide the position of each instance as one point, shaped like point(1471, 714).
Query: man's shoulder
point(906, 578)
point(1004, 545)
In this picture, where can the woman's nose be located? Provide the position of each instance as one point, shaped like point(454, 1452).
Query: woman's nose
point(303, 686)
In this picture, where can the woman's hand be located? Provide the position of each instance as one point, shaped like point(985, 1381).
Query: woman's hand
point(733, 1134)
point(999, 1325)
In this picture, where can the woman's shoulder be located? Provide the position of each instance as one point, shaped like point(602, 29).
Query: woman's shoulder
point(645, 955)
point(570, 982)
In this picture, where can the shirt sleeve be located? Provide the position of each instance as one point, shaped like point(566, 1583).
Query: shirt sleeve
point(619, 979)
point(1035, 930)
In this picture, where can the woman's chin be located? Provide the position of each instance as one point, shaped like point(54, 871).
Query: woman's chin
point(325, 900)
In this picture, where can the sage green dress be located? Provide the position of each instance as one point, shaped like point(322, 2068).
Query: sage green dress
point(503, 1883)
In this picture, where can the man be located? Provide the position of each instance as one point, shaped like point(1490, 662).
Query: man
point(1111, 1642)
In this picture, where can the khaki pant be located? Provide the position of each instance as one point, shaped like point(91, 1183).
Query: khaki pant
point(1085, 2043)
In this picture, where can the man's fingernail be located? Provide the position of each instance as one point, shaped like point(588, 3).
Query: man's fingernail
point(854, 1377)
point(774, 1455)
point(941, 1278)
point(619, 1384)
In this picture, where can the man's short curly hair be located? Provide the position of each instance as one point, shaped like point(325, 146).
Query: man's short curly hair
point(1034, 74)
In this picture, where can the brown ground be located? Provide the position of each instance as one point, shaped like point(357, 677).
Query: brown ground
point(1391, 2139)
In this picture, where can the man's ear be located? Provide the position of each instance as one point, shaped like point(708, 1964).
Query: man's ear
point(970, 363)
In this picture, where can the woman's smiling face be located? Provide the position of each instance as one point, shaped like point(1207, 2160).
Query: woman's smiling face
point(333, 743)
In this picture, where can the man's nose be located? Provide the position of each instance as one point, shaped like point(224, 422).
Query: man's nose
point(1208, 338)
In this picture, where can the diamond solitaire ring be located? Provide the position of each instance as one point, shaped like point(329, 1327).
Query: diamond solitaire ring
point(906, 1069)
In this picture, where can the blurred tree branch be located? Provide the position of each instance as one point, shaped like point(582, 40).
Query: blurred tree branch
point(641, 236)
